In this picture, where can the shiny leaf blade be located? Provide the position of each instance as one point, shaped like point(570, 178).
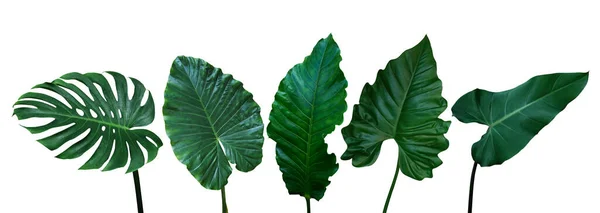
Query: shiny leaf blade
point(113, 120)
point(515, 116)
point(309, 104)
point(403, 104)
point(212, 121)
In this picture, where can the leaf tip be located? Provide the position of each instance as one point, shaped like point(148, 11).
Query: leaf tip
point(62, 156)
point(330, 37)
point(587, 74)
point(425, 39)
point(85, 167)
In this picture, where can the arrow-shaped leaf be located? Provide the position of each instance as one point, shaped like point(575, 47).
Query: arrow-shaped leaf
point(403, 104)
point(515, 116)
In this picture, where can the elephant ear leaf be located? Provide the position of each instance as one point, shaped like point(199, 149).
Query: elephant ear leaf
point(309, 104)
point(212, 121)
point(112, 119)
point(403, 104)
point(515, 116)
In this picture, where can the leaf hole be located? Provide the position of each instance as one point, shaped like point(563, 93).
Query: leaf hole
point(32, 122)
point(128, 156)
point(144, 151)
point(32, 99)
point(24, 106)
point(81, 86)
point(71, 142)
point(150, 139)
point(79, 112)
point(112, 152)
point(145, 98)
point(53, 95)
point(102, 112)
point(99, 88)
point(51, 131)
point(111, 82)
point(130, 88)
point(94, 115)
point(75, 96)
point(88, 154)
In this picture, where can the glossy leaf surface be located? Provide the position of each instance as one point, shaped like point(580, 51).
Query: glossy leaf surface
point(212, 121)
point(112, 119)
point(403, 104)
point(309, 104)
point(515, 116)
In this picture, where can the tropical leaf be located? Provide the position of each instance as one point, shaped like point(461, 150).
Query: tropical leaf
point(403, 104)
point(113, 119)
point(212, 121)
point(515, 116)
point(309, 104)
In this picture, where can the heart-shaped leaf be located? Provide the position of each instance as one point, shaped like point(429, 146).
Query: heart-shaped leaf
point(403, 104)
point(212, 121)
point(515, 116)
point(309, 104)
point(113, 119)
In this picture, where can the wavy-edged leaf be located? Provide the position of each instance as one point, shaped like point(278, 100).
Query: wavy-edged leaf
point(515, 116)
point(403, 104)
point(113, 119)
point(309, 104)
point(212, 121)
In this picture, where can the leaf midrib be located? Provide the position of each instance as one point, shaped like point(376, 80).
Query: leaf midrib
point(407, 90)
point(212, 127)
point(89, 119)
point(312, 111)
point(529, 104)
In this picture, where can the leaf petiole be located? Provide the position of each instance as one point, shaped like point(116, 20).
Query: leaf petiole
point(387, 201)
point(471, 187)
point(307, 197)
point(223, 200)
point(138, 191)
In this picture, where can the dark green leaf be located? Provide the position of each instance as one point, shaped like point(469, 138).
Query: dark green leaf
point(309, 104)
point(112, 117)
point(212, 121)
point(404, 104)
point(515, 116)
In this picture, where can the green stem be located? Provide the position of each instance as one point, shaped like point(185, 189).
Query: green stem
point(138, 191)
point(387, 201)
point(471, 187)
point(307, 203)
point(223, 200)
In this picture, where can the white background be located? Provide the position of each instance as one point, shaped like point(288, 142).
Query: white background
point(491, 46)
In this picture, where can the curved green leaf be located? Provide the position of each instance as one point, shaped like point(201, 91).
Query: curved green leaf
point(111, 118)
point(212, 121)
point(515, 116)
point(308, 105)
point(404, 104)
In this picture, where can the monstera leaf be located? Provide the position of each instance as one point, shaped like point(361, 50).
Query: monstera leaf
point(114, 118)
point(212, 121)
point(515, 116)
point(403, 104)
point(309, 104)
